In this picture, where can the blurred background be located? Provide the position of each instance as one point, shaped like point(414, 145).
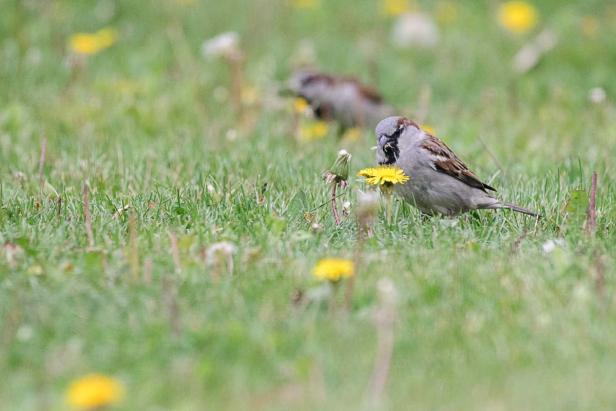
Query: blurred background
point(442, 61)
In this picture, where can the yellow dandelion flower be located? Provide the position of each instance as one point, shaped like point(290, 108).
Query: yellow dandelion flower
point(333, 269)
point(313, 131)
point(306, 4)
point(384, 175)
point(428, 129)
point(92, 43)
point(517, 16)
point(396, 7)
point(83, 43)
point(320, 129)
point(94, 391)
point(300, 105)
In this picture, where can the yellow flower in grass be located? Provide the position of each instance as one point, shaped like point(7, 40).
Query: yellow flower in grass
point(396, 7)
point(384, 175)
point(92, 43)
point(94, 391)
point(517, 16)
point(428, 129)
point(313, 131)
point(333, 269)
point(300, 105)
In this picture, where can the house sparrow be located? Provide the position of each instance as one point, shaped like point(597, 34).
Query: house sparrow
point(343, 99)
point(440, 183)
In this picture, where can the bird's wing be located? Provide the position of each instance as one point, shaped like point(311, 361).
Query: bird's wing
point(368, 93)
point(447, 162)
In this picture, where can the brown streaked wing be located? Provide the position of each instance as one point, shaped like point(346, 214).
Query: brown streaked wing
point(369, 93)
point(447, 162)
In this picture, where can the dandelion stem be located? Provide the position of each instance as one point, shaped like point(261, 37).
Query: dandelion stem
point(236, 69)
point(86, 214)
point(133, 247)
point(388, 206)
point(333, 305)
point(334, 206)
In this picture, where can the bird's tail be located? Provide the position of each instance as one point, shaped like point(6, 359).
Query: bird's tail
point(515, 208)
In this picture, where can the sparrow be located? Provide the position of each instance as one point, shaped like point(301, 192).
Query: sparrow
point(339, 98)
point(440, 183)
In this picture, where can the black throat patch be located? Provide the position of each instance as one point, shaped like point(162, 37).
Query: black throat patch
point(392, 152)
point(391, 149)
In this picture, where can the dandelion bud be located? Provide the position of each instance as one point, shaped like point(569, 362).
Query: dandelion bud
point(346, 208)
point(339, 171)
point(414, 30)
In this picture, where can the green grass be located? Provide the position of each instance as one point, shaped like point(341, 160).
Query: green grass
point(485, 319)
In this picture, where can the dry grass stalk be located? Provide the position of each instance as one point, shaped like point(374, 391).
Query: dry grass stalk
point(235, 62)
point(591, 213)
point(133, 249)
point(86, 214)
point(58, 206)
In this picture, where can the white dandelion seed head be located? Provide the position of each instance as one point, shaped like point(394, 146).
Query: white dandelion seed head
point(414, 30)
point(224, 44)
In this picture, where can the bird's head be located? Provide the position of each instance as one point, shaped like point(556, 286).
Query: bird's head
point(390, 134)
point(309, 84)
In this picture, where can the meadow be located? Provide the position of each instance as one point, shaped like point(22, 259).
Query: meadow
point(150, 232)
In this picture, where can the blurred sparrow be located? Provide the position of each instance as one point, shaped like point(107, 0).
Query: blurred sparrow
point(343, 99)
point(440, 183)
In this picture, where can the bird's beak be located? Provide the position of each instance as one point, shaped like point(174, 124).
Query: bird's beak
point(382, 140)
